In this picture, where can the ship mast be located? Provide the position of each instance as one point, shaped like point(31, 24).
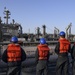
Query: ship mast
point(7, 13)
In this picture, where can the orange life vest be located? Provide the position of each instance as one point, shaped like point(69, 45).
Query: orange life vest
point(14, 52)
point(64, 45)
point(43, 51)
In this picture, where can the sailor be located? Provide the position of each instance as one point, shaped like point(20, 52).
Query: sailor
point(73, 58)
point(62, 48)
point(13, 56)
point(42, 58)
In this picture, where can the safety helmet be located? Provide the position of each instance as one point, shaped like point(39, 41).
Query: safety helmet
point(42, 41)
point(62, 33)
point(14, 39)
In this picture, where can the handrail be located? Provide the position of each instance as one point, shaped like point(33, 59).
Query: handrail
point(33, 43)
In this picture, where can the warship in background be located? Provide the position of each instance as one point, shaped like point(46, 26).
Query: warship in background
point(7, 30)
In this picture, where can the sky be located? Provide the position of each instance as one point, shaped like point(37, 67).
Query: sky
point(36, 13)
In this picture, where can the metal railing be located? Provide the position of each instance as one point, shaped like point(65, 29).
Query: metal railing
point(33, 43)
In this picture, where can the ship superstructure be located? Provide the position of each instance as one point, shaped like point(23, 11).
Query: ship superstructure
point(7, 30)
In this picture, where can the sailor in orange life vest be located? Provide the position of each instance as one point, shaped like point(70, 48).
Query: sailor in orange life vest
point(42, 58)
point(62, 48)
point(13, 56)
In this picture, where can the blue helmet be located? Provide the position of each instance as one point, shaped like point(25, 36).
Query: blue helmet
point(14, 39)
point(62, 33)
point(42, 41)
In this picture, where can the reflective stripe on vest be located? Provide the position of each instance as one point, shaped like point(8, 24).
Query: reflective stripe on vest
point(43, 51)
point(14, 52)
point(64, 45)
